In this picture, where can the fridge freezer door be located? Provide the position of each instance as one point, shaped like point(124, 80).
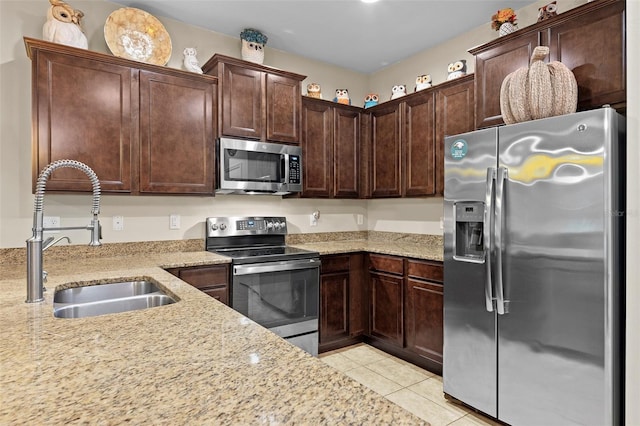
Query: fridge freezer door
point(469, 366)
point(557, 203)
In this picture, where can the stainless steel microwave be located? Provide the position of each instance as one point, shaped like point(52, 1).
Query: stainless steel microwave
point(253, 167)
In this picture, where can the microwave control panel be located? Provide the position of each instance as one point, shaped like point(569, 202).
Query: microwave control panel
point(294, 169)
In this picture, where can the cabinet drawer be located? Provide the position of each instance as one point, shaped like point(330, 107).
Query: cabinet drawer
point(425, 270)
point(389, 264)
point(334, 264)
point(206, 277)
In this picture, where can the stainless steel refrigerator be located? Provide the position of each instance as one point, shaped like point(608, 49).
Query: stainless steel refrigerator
point(534, 269)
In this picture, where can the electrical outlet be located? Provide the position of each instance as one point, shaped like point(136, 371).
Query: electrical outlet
point(441, 223)
point(51, 222)
point(118, 223)
point(359, 219)
point(174, 221)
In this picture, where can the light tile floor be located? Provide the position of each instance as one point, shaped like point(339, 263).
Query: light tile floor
point(416, 390)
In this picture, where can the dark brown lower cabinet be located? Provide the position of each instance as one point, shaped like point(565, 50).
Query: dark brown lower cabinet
point(386, 291)
point(423, 309)
point(342, 301)
point(212, 280)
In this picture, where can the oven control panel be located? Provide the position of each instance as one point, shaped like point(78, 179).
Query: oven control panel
point(254, 225)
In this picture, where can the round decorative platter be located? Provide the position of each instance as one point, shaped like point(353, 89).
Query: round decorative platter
point(134, 34)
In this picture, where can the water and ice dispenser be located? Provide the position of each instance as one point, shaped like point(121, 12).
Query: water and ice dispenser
point(469, 230)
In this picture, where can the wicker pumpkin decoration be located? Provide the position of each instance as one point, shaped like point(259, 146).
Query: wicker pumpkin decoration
point(542, 90)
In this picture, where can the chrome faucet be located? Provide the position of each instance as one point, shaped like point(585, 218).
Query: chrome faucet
point(36, 246)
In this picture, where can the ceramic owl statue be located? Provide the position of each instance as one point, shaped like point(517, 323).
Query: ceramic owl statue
point(190, 60)
point(371, 100)
point(314, 91)
point(457, 69)
point(63, 25)
point(342, 97)
point(253, 43)
point(547, 11)
point(398, 91)
point(423, 82)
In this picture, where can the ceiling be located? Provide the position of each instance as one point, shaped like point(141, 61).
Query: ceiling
point(363, 37)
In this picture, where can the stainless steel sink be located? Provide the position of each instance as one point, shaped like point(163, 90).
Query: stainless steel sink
point(93, 300)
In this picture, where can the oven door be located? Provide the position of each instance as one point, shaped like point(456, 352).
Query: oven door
point(281, 296)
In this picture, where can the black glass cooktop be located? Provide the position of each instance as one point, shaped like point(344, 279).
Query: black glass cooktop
point(265, 254)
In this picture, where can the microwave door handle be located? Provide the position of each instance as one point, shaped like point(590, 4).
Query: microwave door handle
point(284, 171)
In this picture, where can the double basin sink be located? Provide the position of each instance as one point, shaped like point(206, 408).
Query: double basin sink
point(112, 298)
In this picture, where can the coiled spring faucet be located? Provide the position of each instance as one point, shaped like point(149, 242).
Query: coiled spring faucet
point(36, 245)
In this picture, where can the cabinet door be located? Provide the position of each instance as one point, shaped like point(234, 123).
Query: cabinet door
point(386, 152)
point(386, 307)
point(346, 158)
point(83, 110)
point(592, 45)
point(334, 306)
point(492, 66)
point(176, 134)
point(419, 145)
point(424, 309)
point(424, 333)
point(242, 108)
point(317, 140)
point(284, 104)
point(454, 115)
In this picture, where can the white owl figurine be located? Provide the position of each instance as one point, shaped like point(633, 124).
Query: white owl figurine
point(457, 69)
point(342, 97)
point(314, 91)
point(423, 82)
point(190, 60)
point(398, 91)
point(63, 25)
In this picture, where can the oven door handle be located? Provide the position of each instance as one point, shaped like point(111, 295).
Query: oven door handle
point(288, 265)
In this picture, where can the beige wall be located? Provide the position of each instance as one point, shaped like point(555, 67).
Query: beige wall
point(434, 61)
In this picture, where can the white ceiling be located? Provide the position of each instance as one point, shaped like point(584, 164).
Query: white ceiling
point(347, 33)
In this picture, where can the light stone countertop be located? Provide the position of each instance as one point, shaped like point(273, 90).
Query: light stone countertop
point(425, 247)
point(193, 362)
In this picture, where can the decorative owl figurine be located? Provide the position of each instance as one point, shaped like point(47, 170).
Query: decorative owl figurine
point(314, 91)
point(63, 25)
point(423, 82)
point(253, 42)
point(371, 100)
point(398, 90)
point(342, 97)
point(190, 61)
point(457, 69)
point(547, 11)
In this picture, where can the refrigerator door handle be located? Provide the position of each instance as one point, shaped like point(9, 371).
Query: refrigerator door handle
point(502, 175)
point(486, 237)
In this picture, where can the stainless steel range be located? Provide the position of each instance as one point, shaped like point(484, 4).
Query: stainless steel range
point(273, 284)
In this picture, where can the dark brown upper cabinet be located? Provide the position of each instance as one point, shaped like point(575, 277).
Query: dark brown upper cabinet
point(256, 101)
point(589, 40)
point(331, 149)
point(142, 128)
point(407, 142)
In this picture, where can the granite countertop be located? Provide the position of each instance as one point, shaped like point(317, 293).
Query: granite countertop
point(193, 362)
point(425, 247)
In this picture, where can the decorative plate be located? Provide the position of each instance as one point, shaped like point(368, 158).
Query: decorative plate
point(134, 34)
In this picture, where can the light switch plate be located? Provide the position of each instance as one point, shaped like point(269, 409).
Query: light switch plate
point(359, 219)
point(174, 221)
